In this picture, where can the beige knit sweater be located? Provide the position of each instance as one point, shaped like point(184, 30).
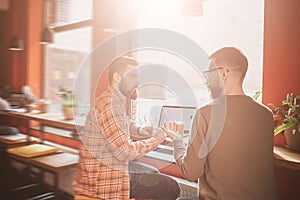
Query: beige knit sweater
point(238, 162)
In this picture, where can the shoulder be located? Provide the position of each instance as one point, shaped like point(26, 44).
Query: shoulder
point(103, 102)
point(205, 109)
point(264, 109)
point(256, 107)
point(202, 113)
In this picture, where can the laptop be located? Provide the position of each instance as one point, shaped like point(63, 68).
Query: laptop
point(177, 113)
point(169, 114)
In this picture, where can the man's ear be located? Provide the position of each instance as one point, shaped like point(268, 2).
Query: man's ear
point(116, 77)
point(224, 74)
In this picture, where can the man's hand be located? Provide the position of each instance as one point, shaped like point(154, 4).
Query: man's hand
point(146, 131)
point(172, 130)
point(140, 133)
point(149, 131)
point(160, 136)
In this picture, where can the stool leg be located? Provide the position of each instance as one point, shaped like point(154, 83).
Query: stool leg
point(56, 190)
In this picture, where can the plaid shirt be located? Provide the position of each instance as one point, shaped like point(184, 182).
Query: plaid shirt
point(106, 150)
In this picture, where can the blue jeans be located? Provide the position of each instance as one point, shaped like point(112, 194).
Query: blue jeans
point(147, 183)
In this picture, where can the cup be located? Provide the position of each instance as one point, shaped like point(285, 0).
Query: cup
point(180, 127)
point(44, 107)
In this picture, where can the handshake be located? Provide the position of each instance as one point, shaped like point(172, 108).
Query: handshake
point(173, 130)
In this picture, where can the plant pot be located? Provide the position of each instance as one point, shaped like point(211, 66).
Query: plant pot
point(292, 139)
point(69, 112)
point(28, 108)
point(44, 107)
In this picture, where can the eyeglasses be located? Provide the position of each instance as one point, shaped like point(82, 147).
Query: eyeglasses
point(206, 74)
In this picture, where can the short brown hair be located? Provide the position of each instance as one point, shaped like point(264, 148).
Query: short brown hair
point(120, 64)
point(231, 57)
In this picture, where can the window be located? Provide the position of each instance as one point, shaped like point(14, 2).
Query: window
point(72, 11)
point(64, 57)
point(224, 23)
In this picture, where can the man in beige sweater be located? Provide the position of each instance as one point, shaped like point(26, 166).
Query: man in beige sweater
point(230, 149)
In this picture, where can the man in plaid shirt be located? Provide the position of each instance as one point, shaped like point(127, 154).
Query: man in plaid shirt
point(107, 146)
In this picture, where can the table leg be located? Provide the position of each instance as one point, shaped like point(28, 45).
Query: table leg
point(42, 133)
point(27, 127)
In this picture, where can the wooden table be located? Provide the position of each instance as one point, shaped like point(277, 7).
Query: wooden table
point(284, 157)
point(51, 119)
point(15, 140)
point(55, 164)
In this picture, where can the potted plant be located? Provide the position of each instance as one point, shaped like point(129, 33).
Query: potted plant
point(44, 105)
point(69, 103)
point(287, 120)
point(27, 98)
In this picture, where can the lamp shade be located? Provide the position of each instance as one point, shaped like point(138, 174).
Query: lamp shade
point(110, 28)
point(47, 36)
point(111, 17)
point(192, 8)
point(17, 44)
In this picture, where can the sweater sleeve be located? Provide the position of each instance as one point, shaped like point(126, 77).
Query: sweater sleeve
point(188, 158)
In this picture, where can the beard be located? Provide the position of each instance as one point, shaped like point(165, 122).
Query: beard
point(129, 93)
point(215, 92)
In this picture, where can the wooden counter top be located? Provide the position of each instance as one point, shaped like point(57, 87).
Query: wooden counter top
point(284, 157)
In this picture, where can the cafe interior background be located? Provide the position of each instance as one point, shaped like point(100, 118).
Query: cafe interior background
point(57, 36)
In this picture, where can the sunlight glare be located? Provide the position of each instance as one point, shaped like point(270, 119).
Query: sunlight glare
point(157, 7)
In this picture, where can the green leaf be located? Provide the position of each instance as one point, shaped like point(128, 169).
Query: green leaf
point(285, 102)
point(292, 119)
point(69, 103)
point(285, 126)
point(256, 95)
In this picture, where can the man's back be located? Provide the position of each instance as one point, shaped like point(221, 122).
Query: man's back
point(240, 164)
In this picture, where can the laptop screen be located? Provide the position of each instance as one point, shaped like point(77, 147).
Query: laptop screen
point(177, 113)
